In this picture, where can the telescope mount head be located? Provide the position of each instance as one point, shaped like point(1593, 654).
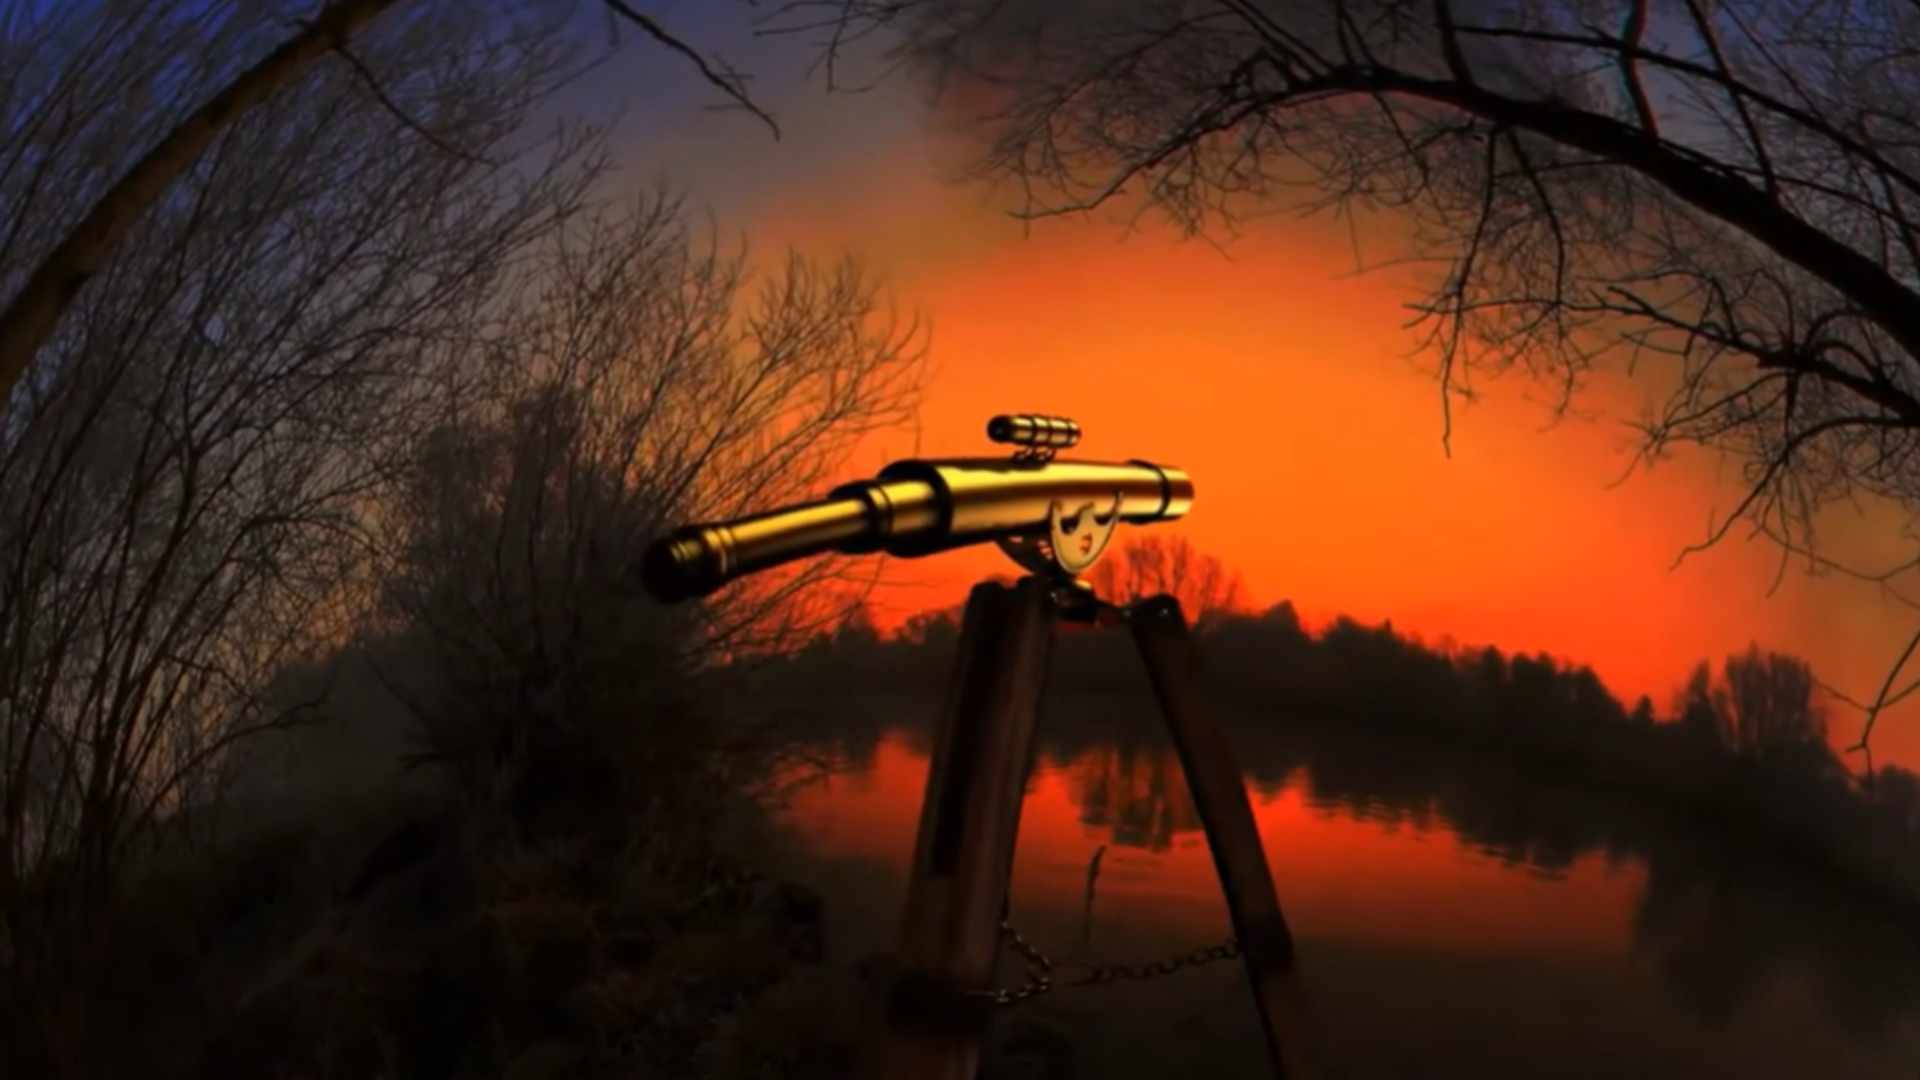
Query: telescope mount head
point(1076, 536)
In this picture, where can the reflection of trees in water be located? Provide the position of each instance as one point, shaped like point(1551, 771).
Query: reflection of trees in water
point(1138, 793)
point(1715, 944)
point(1724, 923)
point(1522, 756)
point(1720, 921)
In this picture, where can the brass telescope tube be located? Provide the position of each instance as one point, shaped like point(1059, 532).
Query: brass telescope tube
point(912, 508)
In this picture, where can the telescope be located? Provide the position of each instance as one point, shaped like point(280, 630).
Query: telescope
point(1047, 514)
point(1055, 519)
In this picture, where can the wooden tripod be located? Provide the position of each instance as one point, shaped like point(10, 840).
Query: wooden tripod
point(939, 1009)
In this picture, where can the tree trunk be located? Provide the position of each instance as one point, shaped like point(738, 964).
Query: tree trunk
point(30, 319)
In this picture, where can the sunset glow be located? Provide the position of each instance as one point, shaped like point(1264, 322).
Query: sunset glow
point(1287, 386)
point(1291, 389)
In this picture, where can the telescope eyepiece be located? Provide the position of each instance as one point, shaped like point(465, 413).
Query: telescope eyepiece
point(1033, 431)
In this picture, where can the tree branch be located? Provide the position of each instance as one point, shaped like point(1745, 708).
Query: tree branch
point(32, 315)
point(727, 81)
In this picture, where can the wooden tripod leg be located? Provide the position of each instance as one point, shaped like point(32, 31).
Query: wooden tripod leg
point(1220, 795)
point(937, 1017)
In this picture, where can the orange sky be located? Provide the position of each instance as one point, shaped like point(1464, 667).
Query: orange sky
point(1283, 384)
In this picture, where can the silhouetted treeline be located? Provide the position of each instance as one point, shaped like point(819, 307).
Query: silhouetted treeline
point(1742, 748)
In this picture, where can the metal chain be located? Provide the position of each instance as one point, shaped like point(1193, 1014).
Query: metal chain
point(1040, 969)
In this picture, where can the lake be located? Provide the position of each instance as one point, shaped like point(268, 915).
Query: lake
point(1454, 919)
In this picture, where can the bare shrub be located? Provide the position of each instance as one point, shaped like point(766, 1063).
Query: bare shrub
point(632, 378)
point(1757, 705)
point(354, 367)
point(187, 469)
point(1152, 564)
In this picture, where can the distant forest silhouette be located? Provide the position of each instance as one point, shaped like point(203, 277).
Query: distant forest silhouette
point(1743, 744)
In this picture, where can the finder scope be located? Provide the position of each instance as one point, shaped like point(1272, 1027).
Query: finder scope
point(1038, 432)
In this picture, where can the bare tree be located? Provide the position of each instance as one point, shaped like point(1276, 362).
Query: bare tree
point(1896, 796)
point(935, 627)
point(1770, 704)
point(1728, 191)
point(635, 379)
point(187, 473)
point(1694, 708)
point(1152, 564)
point(146, 124)
point(1768, 711)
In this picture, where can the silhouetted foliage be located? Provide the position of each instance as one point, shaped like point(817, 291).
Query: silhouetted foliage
point(187, 467)
point(377, 400)
point(1152, 564)
point(1896, 795)
point(1742, 750)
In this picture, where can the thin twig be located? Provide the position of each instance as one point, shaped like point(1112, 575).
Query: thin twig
point(726, 80)
point(372, 84)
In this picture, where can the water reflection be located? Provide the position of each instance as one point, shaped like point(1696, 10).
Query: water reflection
point(1135, 792)
point(1722, 919)
point(1405, 868)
